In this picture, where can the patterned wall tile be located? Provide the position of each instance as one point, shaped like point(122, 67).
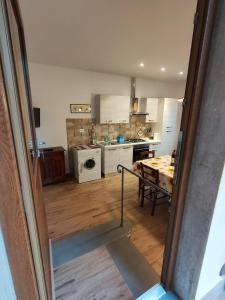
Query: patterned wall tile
point(135, 128)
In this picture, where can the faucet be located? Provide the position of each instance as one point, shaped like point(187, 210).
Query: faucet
point(106, 139)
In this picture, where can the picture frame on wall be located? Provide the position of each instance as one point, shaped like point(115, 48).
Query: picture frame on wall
point(80, 108)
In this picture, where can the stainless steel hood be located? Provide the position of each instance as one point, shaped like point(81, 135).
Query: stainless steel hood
point(139, 105)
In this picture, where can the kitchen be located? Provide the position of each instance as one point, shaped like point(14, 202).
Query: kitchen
point(90, 196)
point(128, 141)
point(92, 117)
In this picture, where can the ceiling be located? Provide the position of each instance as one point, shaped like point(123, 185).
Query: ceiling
point(112, 36)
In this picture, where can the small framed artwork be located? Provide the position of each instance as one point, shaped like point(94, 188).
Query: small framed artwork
point(80, 108)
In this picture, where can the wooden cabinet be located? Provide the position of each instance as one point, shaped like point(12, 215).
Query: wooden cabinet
point(152, 109)
point(112, 109)
point(112, 156)
point(52, 163)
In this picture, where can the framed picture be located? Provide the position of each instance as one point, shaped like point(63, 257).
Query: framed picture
point(80, 108)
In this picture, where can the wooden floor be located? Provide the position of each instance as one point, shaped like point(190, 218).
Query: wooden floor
point(91, 276)
point(73, 207)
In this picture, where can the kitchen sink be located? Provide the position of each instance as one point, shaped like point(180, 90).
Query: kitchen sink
point(113, 143)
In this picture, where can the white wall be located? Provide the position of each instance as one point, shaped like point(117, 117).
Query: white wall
point(153, 88)
point(214, 256)
point(55, 88)
point(6, 283)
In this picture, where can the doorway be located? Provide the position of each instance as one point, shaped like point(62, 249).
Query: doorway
point(89, 215)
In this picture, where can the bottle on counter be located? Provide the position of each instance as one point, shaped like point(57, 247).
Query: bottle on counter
point(173, 156)
point(93, 135)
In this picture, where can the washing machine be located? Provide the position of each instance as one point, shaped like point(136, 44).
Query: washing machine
point(87, 163)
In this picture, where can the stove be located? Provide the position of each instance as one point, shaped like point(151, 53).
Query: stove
point(135, 140)
point(140, 151)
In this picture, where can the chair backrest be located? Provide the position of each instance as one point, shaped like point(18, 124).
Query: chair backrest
point(147, 154)
point(150, 174)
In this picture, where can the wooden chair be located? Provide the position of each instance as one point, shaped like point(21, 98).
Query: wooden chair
point(145, 155)
point(151, 192)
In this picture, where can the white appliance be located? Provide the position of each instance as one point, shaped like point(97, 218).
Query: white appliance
point(156, 135)
point(87, 163)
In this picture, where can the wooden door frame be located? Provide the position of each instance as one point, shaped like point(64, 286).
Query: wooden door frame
point(192, 103)
point(20, 148)
point(18, 17)
point(12, 214)
point(203, 27)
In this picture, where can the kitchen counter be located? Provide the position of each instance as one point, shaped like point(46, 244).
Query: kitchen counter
point(146, 142)
point(124, 154)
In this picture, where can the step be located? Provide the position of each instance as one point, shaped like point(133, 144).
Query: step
point(81, 243)
point(134, 268)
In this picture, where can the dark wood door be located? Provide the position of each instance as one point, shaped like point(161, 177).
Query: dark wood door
point(19, 69)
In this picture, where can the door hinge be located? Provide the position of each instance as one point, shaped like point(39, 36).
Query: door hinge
point(196, 16)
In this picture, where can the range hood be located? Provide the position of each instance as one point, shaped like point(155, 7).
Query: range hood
point(138, 105)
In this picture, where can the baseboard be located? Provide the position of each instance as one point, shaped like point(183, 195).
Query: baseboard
point(217, 293)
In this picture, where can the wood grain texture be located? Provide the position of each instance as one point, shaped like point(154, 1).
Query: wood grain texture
point(91, 276)
point(52, 163)
point(73, 207)
point(24, 103)
point(41, 224)
point(12, 215)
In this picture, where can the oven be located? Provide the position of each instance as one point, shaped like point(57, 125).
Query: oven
point(140, 152)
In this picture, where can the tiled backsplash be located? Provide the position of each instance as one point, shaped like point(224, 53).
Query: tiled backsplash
point(136, 128)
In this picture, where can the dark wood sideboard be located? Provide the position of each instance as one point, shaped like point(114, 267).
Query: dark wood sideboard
point(52, 164)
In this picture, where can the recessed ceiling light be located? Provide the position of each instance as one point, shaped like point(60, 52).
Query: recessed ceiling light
point(163, 69)
point(181, 73)
point(142, 64)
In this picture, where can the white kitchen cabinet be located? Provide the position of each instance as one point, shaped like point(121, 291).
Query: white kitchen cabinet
point(126, 156)
point(152, 109)
point(155, 147)
point(169, 130)
point(111, 160)
point(170, 114)
point(112, 109)
point(167, 143)
point(112, 156)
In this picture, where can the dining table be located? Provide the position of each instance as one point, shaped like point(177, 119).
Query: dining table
point(163, 165)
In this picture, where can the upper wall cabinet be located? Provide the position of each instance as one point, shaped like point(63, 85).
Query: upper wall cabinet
point(152, 109)
point(112, 109)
